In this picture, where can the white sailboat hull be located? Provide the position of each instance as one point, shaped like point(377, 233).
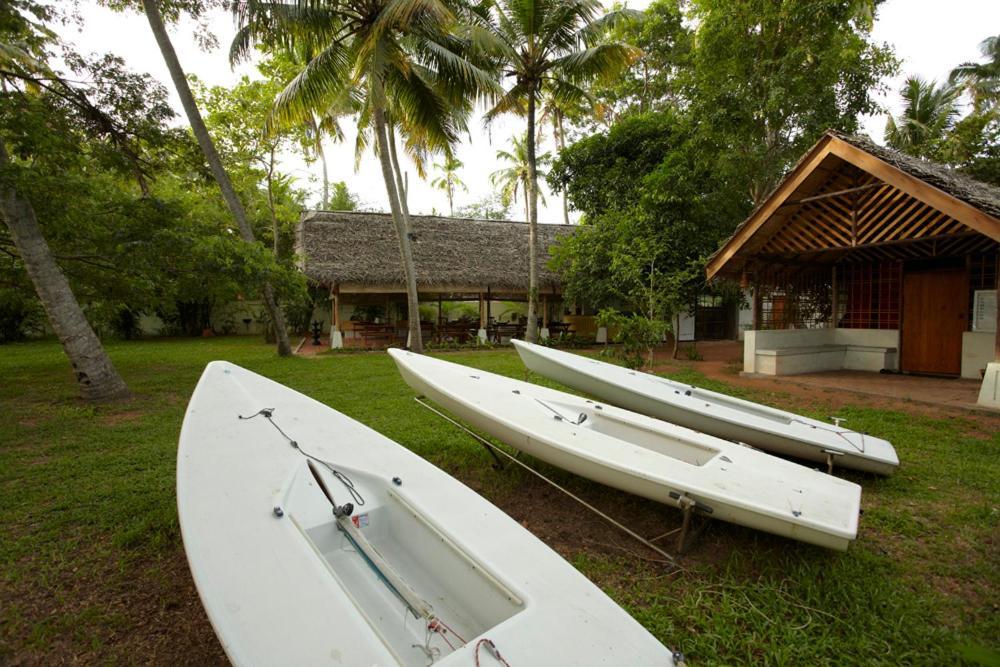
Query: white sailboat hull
point(284, 582)
point(642, 455)
point(713, 413)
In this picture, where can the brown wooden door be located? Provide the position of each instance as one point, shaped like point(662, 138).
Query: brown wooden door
point(934, 317)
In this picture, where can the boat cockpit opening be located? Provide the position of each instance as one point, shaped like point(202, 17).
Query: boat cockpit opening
point(596, 419)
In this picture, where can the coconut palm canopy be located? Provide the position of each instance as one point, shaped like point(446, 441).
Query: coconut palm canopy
point(452, 254)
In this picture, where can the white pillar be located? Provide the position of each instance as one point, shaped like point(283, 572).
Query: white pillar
point(602, 335)
point(989, 393)
point(543, 334)
point(336, 339)
point(482, 335)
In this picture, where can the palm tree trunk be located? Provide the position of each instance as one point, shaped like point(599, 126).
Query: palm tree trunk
point(402, 232)
point(400, 185)
point(152, 10)
point(561, 143)
point(322, 160)
point(95, 374)
point(531, 333)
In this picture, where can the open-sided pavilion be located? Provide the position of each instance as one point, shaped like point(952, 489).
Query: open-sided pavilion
point(356, 256)
point(865, 258)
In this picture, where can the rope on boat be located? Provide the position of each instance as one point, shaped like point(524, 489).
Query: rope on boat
point(579, 420)
point(268, 414)
point(491, 648)
point(534, 472)
point(835, 431)
point(416, 605)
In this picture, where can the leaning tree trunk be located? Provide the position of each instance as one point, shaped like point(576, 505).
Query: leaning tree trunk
point(382, 142)
point(95, 374)
point(401, 188)
point(214, 162)
point(531, 333)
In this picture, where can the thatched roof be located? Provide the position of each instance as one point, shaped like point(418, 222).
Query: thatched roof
point(362, 249)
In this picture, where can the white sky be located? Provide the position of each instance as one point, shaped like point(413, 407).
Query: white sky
point(930, 38)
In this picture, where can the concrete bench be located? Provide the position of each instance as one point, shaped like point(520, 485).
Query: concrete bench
point(815, 358)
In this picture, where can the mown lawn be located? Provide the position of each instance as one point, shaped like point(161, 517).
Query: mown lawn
point(93, 570)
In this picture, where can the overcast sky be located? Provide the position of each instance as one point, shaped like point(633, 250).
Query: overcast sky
point(929, 36)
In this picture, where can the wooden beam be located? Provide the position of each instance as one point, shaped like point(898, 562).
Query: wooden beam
point(835, 297)
point(829, 195)
point(996, 334)
point(812, 160)
point(967, 214)
point(336, 310)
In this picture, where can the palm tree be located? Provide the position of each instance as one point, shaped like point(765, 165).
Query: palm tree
point(929, 112)
point(550, 44)
point(515, 176)
point(319, 125)
point(982, 80)
point(22, 59)
point(556, 110)
point(410, 73)
point(155, 19)
point(448, 181)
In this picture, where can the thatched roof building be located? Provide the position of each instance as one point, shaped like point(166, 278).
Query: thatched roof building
point(359, 252)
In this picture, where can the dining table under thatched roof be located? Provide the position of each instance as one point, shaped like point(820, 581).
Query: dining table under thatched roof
point(359, 252)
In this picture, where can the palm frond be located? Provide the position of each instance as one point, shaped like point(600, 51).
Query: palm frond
point(600, 62)
point(306, 93)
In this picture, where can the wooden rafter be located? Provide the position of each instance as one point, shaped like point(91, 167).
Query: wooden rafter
point(841, 197)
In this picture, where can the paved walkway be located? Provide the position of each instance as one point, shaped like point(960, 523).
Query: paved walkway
point(722, 358)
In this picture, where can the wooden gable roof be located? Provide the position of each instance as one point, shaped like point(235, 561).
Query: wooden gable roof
point(848, 197)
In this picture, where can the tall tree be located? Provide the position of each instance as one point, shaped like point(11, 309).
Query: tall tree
point(982, 80)
point(653, 210)
point(929, 114)
point(26, 74)
point(449, 180)
point(406, 66)
point(550, 44)
point(765, 79)
point(159, 30)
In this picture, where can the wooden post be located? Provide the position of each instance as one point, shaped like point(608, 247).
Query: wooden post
point(336, 336)
point(756, 302)
point(545, 311)
point(835, 297)
point(996, 334)
point(482, 312)
point(439, 319)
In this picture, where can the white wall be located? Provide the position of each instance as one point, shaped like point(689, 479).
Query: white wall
point(685, 327)
point(794, 351)
point(977, 351)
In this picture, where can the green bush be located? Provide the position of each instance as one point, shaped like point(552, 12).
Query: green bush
point(637, 335)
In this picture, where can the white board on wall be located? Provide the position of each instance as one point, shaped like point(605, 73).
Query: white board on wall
point(984, 310)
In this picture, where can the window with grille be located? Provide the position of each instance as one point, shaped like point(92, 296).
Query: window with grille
point(869, 295)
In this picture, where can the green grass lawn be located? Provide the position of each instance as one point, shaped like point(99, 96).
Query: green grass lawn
point(93, 571)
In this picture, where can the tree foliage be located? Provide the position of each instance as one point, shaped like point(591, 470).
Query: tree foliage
point(654, 208)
